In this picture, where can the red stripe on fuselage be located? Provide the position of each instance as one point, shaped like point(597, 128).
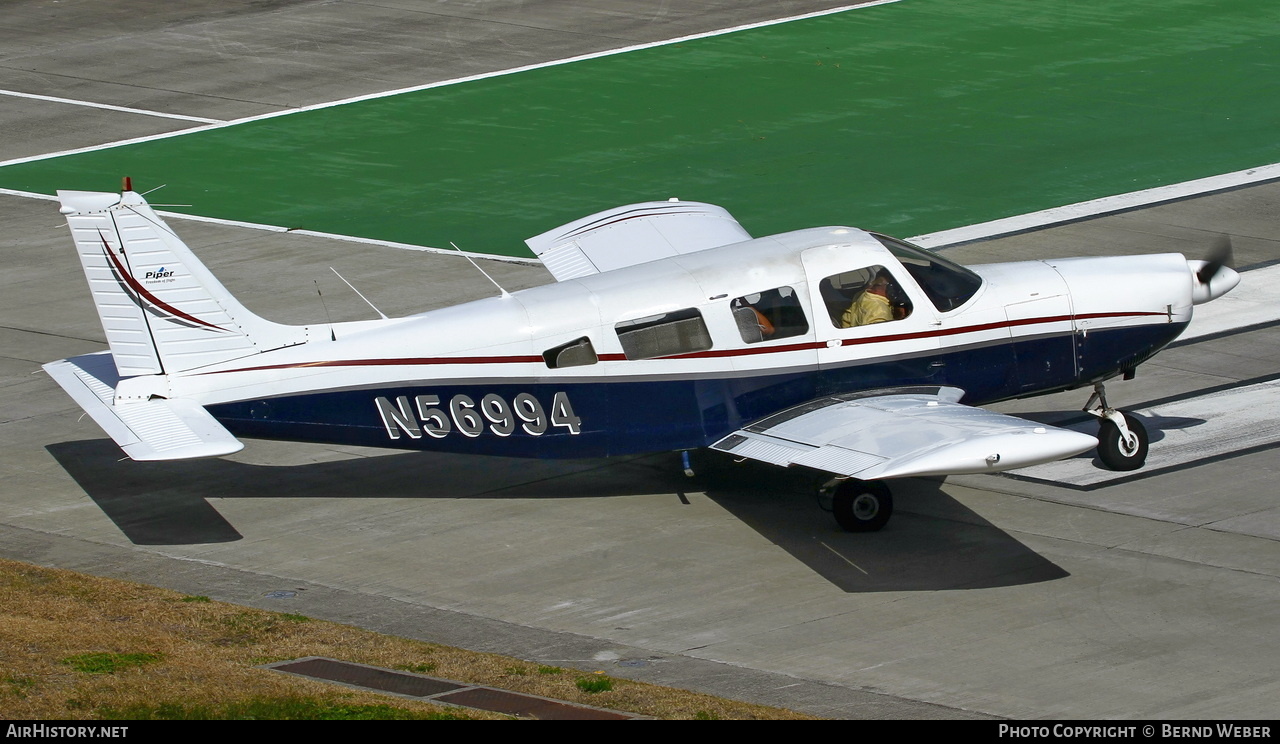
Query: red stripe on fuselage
point(909, 336)
point(749, 351)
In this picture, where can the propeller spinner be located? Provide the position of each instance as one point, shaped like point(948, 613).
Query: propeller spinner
point(1213, 276)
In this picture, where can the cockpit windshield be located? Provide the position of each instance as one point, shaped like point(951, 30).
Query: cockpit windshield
point(947, 284)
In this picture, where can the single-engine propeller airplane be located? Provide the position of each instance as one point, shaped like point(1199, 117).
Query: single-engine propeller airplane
point(668, 328)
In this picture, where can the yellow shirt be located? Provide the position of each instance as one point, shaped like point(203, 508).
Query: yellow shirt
point(868, 308)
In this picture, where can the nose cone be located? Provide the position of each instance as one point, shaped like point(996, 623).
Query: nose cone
point(1209, 282)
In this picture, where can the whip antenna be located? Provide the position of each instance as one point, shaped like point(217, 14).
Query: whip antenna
point(332, 336)
point(353, 289)
point(504, 292)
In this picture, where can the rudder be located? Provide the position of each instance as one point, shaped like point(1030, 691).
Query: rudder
point(162, 310)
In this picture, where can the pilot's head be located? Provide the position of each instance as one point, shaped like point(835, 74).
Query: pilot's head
point(880, 284)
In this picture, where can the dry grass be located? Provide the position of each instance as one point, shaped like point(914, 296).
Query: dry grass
point(79, 647)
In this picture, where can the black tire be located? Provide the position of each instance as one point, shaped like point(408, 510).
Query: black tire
point(862, 506)
point(1113, 451)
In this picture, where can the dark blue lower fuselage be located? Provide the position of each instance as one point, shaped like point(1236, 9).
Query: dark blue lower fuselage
point(591, 417)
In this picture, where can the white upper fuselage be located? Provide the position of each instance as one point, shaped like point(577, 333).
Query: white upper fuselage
point(505, 338)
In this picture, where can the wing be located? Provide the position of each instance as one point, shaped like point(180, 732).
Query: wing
point(634, 234)
point(901, 432)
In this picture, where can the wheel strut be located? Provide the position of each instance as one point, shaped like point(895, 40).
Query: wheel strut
point(1105, 412)
point(1122, 439)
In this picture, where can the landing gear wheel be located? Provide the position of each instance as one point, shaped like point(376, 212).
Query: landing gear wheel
point(862, 506)
point(1119, 452)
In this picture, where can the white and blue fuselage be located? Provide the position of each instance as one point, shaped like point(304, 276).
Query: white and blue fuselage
point(477, 377)
point(668, 327)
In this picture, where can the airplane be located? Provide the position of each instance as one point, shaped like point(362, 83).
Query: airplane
point(668, 328)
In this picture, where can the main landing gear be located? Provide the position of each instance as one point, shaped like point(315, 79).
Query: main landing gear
point(859, 506)
point(1122, 439)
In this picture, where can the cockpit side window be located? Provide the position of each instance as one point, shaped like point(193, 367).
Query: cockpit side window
point(864, 297)
point(678, 332)
point(947, 284)
point(577, 353)
point(769, 315)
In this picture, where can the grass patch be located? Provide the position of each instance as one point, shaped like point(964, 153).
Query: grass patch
point(107, 663)
point(20, 686)
point(54, 626)
point(275, 709)
point(594, 685)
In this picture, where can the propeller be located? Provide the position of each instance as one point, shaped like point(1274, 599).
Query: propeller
point(1214, 275)
point(1220, 254)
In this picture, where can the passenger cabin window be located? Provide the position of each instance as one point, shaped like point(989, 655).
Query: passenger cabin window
point(679, 332)
point(864, 297)
point(947, 284)
point(577, 353)
point(769, 315)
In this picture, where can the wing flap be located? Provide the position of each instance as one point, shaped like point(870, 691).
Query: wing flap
point(900, 433)
point(157, 429)
point(763, 448)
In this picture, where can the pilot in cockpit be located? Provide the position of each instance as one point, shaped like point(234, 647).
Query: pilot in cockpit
point(872, 304)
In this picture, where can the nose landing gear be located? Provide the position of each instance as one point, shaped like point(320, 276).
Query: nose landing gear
point(1122, 439)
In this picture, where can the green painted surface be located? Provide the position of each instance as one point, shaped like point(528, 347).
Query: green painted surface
point(906, 118)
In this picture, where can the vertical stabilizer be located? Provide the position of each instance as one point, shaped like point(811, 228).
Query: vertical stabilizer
point(162, 311)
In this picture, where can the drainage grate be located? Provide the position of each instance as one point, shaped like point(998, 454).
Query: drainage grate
point(445, 691)
point(513, 703)
point(383, 680)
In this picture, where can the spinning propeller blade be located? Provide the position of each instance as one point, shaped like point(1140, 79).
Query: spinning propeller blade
point(1220, 254)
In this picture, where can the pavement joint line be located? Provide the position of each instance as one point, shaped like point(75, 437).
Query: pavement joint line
point(310, 233)
point(1097, 207)
point(456, 81)
point(109, 107)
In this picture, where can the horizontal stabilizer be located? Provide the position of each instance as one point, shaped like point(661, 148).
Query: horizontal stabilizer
point(156, 429)
point(901, 433)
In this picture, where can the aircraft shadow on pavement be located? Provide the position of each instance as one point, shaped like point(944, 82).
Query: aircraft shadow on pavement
point(932, 542)
point(1155, 424)
point(156, 504)
point(172, 502)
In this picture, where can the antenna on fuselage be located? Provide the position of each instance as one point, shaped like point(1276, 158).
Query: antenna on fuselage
point(353, 289)
point(332, 336)
point(504, 292)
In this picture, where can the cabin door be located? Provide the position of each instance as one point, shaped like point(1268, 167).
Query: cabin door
point(873, 325)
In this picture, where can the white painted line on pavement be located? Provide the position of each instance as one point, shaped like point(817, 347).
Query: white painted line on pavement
point(109, 107)
point(455, 81)
point(1096, 207)
point(1183, 431)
